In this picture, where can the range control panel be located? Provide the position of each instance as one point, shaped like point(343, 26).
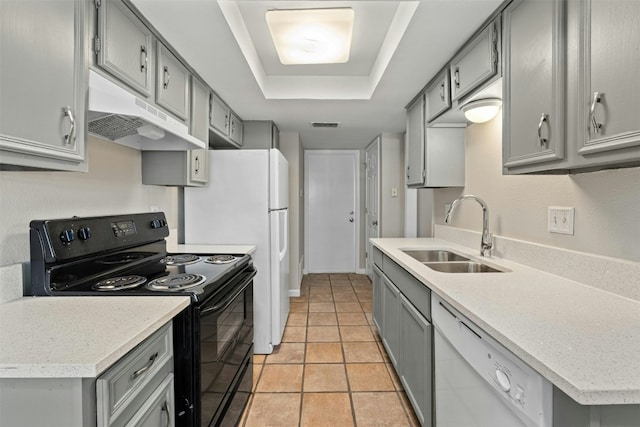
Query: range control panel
point(63, 239)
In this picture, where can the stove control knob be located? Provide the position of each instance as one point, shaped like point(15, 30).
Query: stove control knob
point(84, 233)
point(156, 223)
point(67, 236)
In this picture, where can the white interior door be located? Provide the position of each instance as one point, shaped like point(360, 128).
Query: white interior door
point(331, 211)
point(372, 228)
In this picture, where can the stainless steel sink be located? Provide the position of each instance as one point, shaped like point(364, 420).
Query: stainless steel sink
point(436, 255)
point(462, 267)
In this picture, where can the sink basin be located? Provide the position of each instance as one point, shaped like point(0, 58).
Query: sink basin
point(437, 255)
point(462, 267)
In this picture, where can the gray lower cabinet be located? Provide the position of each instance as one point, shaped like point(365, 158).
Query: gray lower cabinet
point(172, 83)
point(43, 80)
point(402, 314)
point(260, 134)
point(534, 85)
point(610, 110)
point(123, 46)
point(136, 390)
point(416, 355)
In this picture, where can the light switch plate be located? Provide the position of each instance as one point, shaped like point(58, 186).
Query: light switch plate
point(561, 219)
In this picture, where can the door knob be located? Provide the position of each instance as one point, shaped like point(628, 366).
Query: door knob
point(375, 223)
point(351, 213)
point(350, 219)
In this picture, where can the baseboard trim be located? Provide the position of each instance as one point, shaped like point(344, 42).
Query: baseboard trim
point(294, 293)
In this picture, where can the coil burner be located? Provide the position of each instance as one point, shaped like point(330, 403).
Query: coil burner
point(176, 282)
point(119, 283)
point(220, 259)
point(181, 259)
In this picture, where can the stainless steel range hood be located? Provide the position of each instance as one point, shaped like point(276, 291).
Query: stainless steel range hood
point(122, 117)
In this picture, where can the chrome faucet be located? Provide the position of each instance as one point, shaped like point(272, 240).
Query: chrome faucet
point(487, 244)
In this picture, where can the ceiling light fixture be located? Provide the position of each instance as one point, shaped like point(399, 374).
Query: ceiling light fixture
point(311, 36)
point(482, 110)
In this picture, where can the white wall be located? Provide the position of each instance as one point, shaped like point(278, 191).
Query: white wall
point(293, 151)
point(112, 186)
point(607, 203)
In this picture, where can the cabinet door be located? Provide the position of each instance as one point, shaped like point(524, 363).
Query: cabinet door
point(235, 133)
point(199, 114)
point(199, 166)
point(612, 87)
point(172, 84)
point(377, 299)
point(43, 80)
point(415, 143)
point(219, 115)
point(275, 136)
point(533, 91)
point(438, 96)
point(124, 46)
point(390, 320)
point(444, 157)
point(476, 63)
point(416, 357)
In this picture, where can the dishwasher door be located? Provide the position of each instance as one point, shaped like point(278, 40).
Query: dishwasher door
point(479, 383)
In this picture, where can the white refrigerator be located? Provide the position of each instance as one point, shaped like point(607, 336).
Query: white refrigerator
point(246, 202)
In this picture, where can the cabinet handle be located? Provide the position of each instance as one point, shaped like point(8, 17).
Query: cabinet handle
point(165, 408)
point(167, 76)
point(543, 118)
point(456, 77)
point(146, 367)
point(226, 122)
point(375, 223)
point(408, 171)
point(143, 58)
point(70, 137)
point(595, 126)
point(442, 91)
point(197, 164)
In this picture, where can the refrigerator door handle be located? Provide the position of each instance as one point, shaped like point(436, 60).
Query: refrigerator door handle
point(284, 227)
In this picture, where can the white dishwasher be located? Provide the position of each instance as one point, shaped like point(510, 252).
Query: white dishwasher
point(478, 382)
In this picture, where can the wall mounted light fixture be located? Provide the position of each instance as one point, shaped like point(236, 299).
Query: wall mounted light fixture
point(482, 110)
point(311, 36)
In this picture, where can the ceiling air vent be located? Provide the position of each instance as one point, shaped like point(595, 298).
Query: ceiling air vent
point(325, 124)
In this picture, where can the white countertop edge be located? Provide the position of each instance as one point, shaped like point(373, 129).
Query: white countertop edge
point(584, 396)
point(112, 354)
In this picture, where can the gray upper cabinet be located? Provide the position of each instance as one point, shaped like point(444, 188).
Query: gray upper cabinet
point(414, 141)
point(43, 80)
point(438, 96)
point(534, 84)
point(434, 155)
point(611, 113)
point(477, 62)
point(199, 117)
point(172, 83)
point(225, 126)
point(260, 134)
point(124, 46)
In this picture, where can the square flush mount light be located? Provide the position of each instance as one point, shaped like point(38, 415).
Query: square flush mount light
point(311, 36)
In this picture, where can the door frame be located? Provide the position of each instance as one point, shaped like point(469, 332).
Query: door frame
point(376, 145)
point(356, 204)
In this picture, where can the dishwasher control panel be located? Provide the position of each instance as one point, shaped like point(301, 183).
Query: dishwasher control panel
point(521, 387)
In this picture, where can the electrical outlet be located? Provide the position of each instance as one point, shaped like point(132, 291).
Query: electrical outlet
point(561, 219)
point(394, 192)
point(154, 208)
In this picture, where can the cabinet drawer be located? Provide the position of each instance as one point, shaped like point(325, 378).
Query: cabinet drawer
point(122, 383)
point(159, 409)
point(414, 290)
point(377, 257)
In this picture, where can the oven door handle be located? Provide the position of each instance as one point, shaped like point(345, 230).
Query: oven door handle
point(227, 301)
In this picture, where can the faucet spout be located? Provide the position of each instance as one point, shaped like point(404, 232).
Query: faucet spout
point(487, 241)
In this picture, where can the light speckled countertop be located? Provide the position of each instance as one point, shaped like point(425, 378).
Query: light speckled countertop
point(72, 337)
point(583, 340)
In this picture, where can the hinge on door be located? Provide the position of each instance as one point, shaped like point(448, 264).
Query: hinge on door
point(97, 44)
point(98, 3)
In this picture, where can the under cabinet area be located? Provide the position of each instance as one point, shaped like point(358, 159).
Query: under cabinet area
point(533, 85)
point(402, 315)
point(43, 80)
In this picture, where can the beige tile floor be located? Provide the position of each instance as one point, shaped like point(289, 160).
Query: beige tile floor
point(331, 368)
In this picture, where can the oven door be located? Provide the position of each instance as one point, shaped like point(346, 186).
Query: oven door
point(225, 348)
